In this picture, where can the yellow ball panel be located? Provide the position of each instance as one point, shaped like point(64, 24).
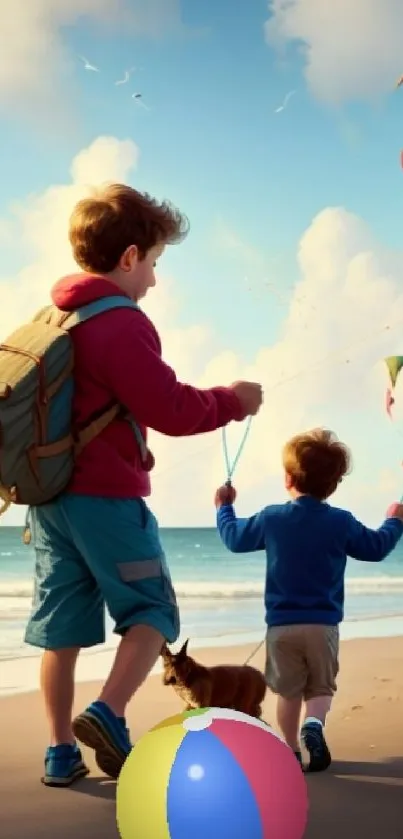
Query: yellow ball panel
point(141, 793)
point(176, 720)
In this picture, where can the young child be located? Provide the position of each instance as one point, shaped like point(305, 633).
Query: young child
point(98, 543)
point(307, 543)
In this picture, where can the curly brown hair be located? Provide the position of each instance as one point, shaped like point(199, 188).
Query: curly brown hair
point(316, 461)
point(103, 226)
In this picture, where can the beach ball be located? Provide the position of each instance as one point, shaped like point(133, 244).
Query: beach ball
point(211, 774)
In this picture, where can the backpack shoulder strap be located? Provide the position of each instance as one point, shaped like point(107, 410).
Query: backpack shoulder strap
point(67, 320)
point(84, 313)
point(105, 304)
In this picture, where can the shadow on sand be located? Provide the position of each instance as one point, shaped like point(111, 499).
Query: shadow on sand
point(337, 806)
point(351, 800)
point(96, 787)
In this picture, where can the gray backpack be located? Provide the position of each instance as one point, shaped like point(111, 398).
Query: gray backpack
point(38, 445)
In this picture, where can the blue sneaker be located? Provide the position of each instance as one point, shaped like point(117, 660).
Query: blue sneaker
point(63, 766)
point(314, 741)
point(100, 729)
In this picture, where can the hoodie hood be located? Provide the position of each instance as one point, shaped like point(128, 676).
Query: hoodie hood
point(77, 290)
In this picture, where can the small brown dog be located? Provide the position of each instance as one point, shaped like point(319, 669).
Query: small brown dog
point(238, 687)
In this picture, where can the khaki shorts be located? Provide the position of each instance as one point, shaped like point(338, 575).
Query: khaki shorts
point(302, 660)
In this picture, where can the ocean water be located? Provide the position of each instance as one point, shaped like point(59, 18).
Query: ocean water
point(220, 597)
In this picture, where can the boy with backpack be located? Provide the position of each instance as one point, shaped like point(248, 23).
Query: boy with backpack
point(307, 543)
point(87, 379)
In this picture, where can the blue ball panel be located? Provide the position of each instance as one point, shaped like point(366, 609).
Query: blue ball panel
point(217, 802)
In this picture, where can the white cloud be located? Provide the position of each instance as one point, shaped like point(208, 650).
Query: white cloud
point(35, 63)
point(104, 155)
point(351, 50)
point(40, 222)
point(344, 317)
point(345, 314)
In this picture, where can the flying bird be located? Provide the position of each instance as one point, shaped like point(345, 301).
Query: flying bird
point(399, 82)
point(87, 65)
point(285, 102)
point(138, 98)
point(126, 76)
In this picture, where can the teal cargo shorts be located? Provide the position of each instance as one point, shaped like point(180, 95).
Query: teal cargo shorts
point(96, 552)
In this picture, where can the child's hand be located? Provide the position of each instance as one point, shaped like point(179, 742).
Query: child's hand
point(250, 395)
point(225, 495)
point(395, 511)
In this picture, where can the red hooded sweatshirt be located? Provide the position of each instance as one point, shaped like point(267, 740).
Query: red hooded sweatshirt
point(118, 359)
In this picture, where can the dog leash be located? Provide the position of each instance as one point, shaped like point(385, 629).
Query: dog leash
point(254, 651)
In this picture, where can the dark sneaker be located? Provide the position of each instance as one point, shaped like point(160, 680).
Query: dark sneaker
point(298, 755)
point(63, 766)
point(314, 741)
point(101, 730)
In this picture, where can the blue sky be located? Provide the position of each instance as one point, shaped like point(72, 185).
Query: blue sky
point(212, 143)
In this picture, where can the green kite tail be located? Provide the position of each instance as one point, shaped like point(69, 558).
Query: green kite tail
point(394, 364)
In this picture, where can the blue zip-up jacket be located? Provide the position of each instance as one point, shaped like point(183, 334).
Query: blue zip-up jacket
point(307, 543)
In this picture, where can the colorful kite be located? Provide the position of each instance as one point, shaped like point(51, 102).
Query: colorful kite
point(394, 364)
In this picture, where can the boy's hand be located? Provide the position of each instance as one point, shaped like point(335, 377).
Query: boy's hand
point(250, 395)
point(395, 511)
point(224, 495)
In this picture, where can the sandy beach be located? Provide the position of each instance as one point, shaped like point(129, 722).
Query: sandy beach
point(365, 733)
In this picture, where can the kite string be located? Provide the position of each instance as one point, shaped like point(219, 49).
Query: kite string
point(230, 469)
point(395, 428)
point(332, 357)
